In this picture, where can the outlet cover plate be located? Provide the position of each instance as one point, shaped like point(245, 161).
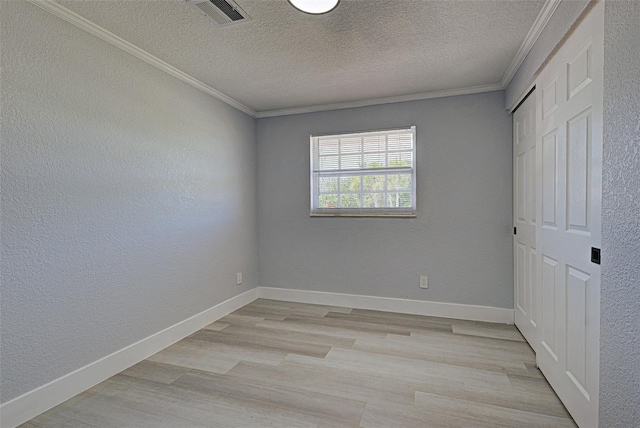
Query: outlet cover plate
point(424, 281)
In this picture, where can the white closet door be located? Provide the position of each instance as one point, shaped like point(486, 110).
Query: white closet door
point(569, 99)
point(524, 215)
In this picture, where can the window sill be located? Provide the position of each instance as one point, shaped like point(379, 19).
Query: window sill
point(364, 214)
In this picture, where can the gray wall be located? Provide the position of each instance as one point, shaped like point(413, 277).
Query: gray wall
point(462, 237)
point(620, 304)
point(560, 22)
point(128, 199)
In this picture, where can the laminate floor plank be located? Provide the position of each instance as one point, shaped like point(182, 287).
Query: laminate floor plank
point(489, 331)
point(482, 415)
point(276, 313)
point(207, 408)
point(514, 349)
point(535, 392)
point(384, 414)
point(276, 334)
point(158, 372)
point(400, 322)
point(353, 325)
point(217, 326)
point(317, 405)
point(327, 380)
point(194, 355)
point(395, 317)
point(258, 343)
point(278, 304)
point(329, 330)
point(502, 350)
point(214, 357)
point(405, 368)
point(285, 364)
point(247, 320)
point(450, 357)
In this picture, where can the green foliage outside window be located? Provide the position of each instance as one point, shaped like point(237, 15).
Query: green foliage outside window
point(367, 191)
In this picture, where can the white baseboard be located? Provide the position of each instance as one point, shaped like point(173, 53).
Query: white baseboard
point(41, 399)
point(389, 304)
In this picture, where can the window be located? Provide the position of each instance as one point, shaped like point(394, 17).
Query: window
point(364, 174)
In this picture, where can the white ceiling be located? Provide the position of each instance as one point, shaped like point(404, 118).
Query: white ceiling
point(364, 49)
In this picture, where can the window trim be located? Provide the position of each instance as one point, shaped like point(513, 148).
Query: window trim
point(410, 212)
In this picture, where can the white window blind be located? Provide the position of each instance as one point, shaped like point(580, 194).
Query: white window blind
point(364, 174)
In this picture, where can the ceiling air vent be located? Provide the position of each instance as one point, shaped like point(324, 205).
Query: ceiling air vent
point(222, 12)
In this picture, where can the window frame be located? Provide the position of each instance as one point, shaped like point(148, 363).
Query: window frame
point(406, 212)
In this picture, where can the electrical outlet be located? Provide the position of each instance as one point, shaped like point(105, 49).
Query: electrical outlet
point(239, 278)
point(424, 281)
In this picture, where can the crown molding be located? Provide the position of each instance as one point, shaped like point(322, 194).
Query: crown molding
point(94, 29)
point(539, 24)
point(536, 29)
point(378, 101)
point(90, 27)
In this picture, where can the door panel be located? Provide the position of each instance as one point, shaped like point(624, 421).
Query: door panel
point(521, 279)
point(521, 182)
point(578, 190)
point(549, 179)
point(579, 70)
point(549, 303)
point(531, 188)
point(577, 286)
point(569, 126)
point(535, 293)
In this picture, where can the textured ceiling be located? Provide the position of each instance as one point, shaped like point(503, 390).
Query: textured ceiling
point(364, 49)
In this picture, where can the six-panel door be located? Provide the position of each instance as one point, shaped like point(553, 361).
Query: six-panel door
point(569, 130)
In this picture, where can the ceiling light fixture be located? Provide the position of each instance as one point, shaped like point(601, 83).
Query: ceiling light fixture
point(314, 7)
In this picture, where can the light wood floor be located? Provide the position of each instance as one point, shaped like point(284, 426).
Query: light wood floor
point(278, 364)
